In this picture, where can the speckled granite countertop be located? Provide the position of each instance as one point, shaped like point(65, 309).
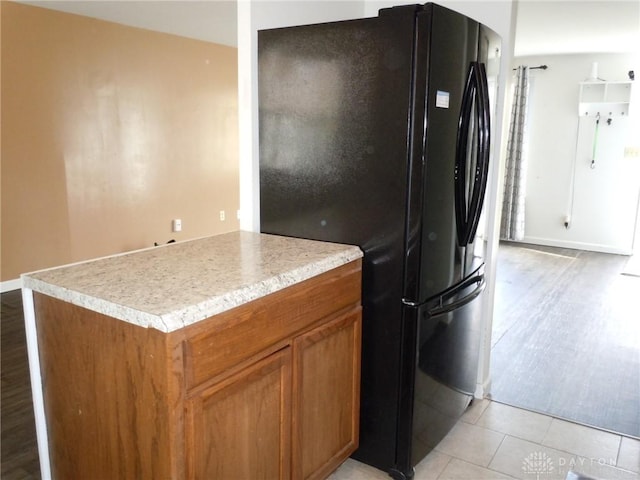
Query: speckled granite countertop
point(175, 285)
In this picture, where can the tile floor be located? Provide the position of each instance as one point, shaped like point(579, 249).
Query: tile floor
point(497, 441)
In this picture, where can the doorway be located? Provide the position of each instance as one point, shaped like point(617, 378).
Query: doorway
point(565, 336)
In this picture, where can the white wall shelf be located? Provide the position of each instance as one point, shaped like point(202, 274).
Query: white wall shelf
point(604, 98)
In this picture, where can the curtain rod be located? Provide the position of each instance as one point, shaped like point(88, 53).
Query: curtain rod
point(540, 67)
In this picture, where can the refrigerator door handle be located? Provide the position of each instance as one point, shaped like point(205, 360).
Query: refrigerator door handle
point(462, 140)
point(484, 144)
point(442, 307)
point(468, 210)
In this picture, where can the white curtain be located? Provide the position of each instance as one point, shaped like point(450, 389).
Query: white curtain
point(512, 224)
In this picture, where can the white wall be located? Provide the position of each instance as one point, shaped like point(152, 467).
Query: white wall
point(602, 201)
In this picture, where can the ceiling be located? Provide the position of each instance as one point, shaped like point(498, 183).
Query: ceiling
point(588, 26)
point(209, 20)
point(543, 26)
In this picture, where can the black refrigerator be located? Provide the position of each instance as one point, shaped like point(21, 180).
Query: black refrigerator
point(376, 132)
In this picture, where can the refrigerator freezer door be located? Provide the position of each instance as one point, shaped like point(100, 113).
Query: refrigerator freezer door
point(459, 295)
point(449, 339)
point(420, 423)
point(447, 362)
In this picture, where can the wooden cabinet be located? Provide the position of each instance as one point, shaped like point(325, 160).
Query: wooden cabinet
point(241, 426)
point(267, 390)
point(326, 396)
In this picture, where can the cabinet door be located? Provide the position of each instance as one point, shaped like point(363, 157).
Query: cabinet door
point(240, 428)
point(326, 398)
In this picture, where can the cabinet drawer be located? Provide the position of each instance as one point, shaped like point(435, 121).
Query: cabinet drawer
point(217, 344)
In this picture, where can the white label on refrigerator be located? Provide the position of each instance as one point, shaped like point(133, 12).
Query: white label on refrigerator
point(442, 99)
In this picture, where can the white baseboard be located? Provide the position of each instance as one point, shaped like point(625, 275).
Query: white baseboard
point(591, 247)
point(9, 285)
point(482, 389)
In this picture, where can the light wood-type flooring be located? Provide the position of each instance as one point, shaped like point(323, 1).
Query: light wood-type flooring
point(566, 336)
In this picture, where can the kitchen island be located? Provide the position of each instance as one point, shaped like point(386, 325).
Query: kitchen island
point(232, 356)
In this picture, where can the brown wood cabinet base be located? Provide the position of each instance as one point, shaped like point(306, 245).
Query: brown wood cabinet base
point(268, 390)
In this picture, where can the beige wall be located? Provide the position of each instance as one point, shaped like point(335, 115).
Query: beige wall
point(108, 133)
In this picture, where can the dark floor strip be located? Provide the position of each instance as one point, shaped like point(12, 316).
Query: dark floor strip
point(18, 447)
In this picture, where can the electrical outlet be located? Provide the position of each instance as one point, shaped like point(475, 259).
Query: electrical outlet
point(631, 152)
point(222, 215)
point(176, 225)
